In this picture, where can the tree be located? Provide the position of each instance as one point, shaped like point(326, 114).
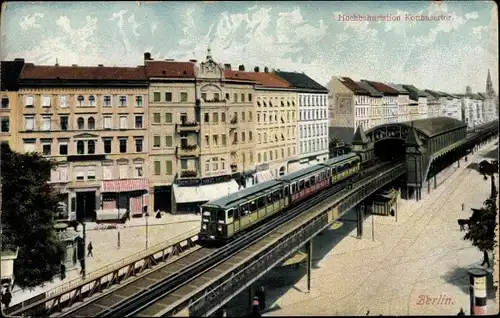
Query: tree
point(29, 204)
point(481, 231)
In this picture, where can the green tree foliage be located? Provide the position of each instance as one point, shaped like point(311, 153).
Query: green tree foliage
point(482, 224)
point(29, 203)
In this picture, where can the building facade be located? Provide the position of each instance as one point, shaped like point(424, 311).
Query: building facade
point(389, 101)
point(419, 98)
point(376, 111)
point(312, 132)
point(403, 102)
point(433, 104)
point(95, 127)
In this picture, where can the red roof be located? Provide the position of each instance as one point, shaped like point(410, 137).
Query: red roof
point(52, 72)
point(237, 75)
point(355, 88)
point(268, 79)
point(381, 87)
point(169, 69)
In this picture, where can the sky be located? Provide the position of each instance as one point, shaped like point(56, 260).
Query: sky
point(313, 37)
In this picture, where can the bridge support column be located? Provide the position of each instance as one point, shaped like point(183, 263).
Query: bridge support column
point(458, 161)
point(428, 186)
point(359, 224)
point(250, 296)
point(435, 182)
point(309, 249)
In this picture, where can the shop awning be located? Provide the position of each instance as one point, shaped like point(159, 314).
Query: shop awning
point(263, 176)
point(124, 185)
point(204, 193)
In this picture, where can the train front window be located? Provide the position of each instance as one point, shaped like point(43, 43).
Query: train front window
point(210, 212)
point(221, 215)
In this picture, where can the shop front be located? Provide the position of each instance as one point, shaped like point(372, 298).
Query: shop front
point(125, 194)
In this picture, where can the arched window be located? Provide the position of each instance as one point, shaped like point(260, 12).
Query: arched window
point(91, 123)
point(92, 100)
point(80, 100)
point(81, 123)
point(80, 147)
point(91, 147)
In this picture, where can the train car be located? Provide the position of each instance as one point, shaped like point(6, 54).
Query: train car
point(342, 167)
point(304, 183)
point(224, 217)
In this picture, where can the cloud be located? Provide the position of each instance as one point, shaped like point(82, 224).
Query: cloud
point(471, 15)
point(29, 21)
point(134, 24)
point(480, 30)
point(153, 27)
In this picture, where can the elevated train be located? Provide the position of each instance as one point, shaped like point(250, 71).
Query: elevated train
point(229, 216)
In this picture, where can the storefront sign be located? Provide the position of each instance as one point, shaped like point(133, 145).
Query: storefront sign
point(202, 181)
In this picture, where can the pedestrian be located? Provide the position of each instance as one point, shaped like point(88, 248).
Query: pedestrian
point(82, 266)
point(62, 271)
point(158, 214)
point(261, 295)
point(367, 313)
point(256, 307)
point(486, 259)
point(463, 206)
point(89, 249)
point(7, 297)
point(461, 312)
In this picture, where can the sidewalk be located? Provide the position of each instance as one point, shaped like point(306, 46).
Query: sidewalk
point(105, 243)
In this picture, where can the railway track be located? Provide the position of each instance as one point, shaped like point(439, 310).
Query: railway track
point(152, 300)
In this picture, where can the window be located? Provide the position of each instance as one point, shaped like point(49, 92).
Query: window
point(157, 166)
point(156, 142)
point(215, 140)
point(91, 123)
point(91, 100)
point(227, 96)
point(107, 122)
point(46, 101)
point(216, 96)
point(123, 122)
point(80, 173)
point(157, 118)
point(46, 123)
point(107, 172)
point(242, 98)
point(156, 96)
point(223, 117)
point(30, 123)
point(123, 145)
point(250, 117)
point(90, 147)
point(184, 97)
point(107, 101)
point(207, 166)
point(63, 147)
point(5, 124)
point(168, 97)
point(243, 136)
point(81, 123)
point(107, 145)
point(5, 102)
point(138, 144)
point(46, 149)
point(235, 97)
point(29, 101)
point(215, 164)
point(224, 141)
point(169, 141)
point(138, 101)
point(250, 136)
point(123, 101)
point(168, 167)
point(138, 121)
point(124, 171)
point(207, 141)
point(222, 164)
point(206, 117)
point(204, 96)
point(184, 164)
point(138, 170)
point(80, 147)
point(168, 118)
point(242, 116)
point(80, 100)
point(249, 97)
point(29, 145)
point(90, 173)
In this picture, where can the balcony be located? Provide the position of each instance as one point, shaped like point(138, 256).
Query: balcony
point(187, 127)
point(188, 151)
point(214, 100)
point(188, 174)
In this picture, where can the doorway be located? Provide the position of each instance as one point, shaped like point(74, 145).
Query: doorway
point(85, 206)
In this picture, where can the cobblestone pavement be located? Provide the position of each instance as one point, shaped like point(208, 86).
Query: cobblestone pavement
point(421, 256)
point(105, 244)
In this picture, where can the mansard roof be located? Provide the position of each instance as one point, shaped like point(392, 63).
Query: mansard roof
point(301, 81)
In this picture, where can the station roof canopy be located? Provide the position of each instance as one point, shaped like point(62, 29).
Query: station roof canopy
point(437, 125)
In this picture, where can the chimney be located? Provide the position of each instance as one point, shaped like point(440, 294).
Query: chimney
point(147, 56)
point(256, 69)
point(100, 65)
point(194, 61)
point(241, 68)
point(227, 66)
point(266, 69)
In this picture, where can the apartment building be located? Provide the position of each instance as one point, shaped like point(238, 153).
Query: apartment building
point(403, 102)
point(433, 104)
point(276, 107)
point(376, 106)
point(349, 106)
point(312, 132)
point(418, 100)
point(9, 85)
point(389, 101)
point(92, 121)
